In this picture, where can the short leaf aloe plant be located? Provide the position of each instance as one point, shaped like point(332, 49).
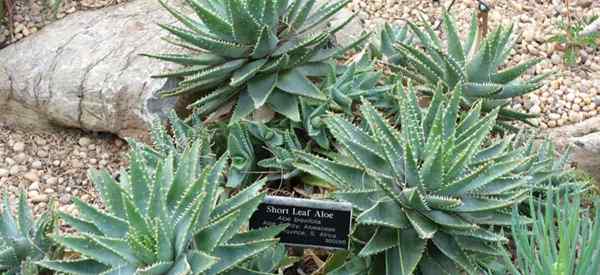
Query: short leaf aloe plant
point(477, 65)
point(257, 53)
point(430, 194)
point(170, 219)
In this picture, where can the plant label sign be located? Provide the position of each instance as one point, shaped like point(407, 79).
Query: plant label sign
point(311, 223)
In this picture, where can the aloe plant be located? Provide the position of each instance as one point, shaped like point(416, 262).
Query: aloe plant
point(429, 196)
point(344, 87)
point(280, 162)
point(476, 65)
point(385, 46)
point(256, 53)
point(550, 170)
point(170, 219)
point(175, 137)
point(563, 239)
point(24, 240)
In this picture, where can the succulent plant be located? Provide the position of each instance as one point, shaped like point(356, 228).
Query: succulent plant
point(390, 35)
point(170, 219)
point(280, 146)
point(428, 196)
point(176, 139)
point(564, 238)
point(243, 160)
point(476, 65)
point(24, 240)
point(344, 87)
point(253, 52)
point(549, 172)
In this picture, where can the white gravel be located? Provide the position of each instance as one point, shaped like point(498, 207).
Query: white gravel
point(53, 166)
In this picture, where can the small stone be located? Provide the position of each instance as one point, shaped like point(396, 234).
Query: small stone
point(52, 180)
point(536, 109)
point(34, 186)
point(36, 164)
point(19, 147)
point(21, 158)
point(84, 141)
point(37, 198)
point(56, 163)
point(554, 116)
point(4, 172)
point(32, 176)
point(575, 117)
point(555, 59)
point(76, 163)
point(9, 161)
point(119, 142)
point(49, 191)
point(40, 141)
point(42, 154)
point(93, 161)
point(15, 170)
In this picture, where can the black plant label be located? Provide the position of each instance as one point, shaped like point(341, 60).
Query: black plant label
point(311, 223)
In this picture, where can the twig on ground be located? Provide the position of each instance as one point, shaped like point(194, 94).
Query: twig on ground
point(439, 24)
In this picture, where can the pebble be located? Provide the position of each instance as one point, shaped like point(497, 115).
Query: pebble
point(9, 161)
point(84, 141)
point(32, 176)
point(535, 109)
point(37, 197)
point(40, 141)
point(52, 180)
point(76, 163)
point(554, 116)
point(16, 170)
point(36, 164)
point(4, 172)
point(21, 158)
point(19, 147)
point(556, 59)
point(34, 186)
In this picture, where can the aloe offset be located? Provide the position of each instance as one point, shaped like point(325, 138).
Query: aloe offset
point(430, 195)
point(254, 53)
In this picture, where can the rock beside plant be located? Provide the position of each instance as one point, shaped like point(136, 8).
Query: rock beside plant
point(584, 141)
point(85, 72)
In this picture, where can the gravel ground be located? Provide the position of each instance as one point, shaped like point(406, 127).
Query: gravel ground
point(53, 166)
point(573, 93)
point(32, 15)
